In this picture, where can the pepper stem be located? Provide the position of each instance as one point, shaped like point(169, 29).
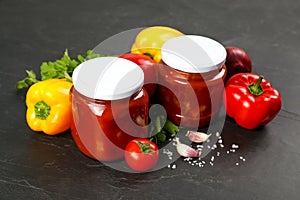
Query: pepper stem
point(255, 88)
point(149, 55)
point(42, 110)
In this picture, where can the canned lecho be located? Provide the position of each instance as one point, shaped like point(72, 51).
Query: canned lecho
point(110, 107)
point(191, 77)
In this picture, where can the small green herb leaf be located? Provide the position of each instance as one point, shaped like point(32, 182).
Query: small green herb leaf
point(28, 81)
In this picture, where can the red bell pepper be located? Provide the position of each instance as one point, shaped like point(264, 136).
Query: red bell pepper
point(251, 100)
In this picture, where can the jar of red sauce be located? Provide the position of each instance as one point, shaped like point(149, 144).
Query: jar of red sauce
point(109, 105)
point(190, 77)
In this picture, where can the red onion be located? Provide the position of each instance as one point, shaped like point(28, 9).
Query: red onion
point(237, 61)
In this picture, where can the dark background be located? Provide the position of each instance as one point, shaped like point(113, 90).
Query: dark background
point(36, 166)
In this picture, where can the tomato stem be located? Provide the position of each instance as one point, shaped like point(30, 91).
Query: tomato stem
point(255, 88)
point(42, 110)
point(145, 148)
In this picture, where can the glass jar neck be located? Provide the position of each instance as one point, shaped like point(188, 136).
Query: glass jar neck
point(193, 76)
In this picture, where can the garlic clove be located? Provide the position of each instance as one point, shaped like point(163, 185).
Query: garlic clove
point(187, 151)
point(197, 137)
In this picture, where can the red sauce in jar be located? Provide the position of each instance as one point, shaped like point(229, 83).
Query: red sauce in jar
point(109, 105)
point(102, 129)
point(190, 79)
point(196, 109)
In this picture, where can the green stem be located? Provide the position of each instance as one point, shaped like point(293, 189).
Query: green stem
point(42, 110)
point(145, 148)
point(171, 128)
point(68, 77)
point(149, 55)
point(158, 125)
point(255, 88)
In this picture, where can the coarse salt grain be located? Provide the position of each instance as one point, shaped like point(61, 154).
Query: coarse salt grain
point(242, 158)
point(232, 150)
point(168, 153)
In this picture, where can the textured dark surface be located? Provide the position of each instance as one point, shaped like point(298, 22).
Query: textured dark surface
point(36, 166)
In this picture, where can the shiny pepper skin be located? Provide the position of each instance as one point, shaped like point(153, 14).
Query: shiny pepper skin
point(150, 40)
point(49, 106)
point(251, 100)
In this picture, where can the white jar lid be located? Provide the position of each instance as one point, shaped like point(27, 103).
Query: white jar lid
point(108, 78)
point(193, 53)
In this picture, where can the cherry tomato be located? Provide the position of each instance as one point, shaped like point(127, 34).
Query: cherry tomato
point(141, 154)
point(148, 67)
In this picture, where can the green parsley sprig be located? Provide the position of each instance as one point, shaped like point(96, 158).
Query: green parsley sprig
point(62, 68)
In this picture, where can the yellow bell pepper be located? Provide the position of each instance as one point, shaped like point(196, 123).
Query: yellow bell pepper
point(48, 106)
point(150, 40)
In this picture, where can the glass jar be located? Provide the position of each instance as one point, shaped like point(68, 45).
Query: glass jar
point(191, 76)
point(109, 105)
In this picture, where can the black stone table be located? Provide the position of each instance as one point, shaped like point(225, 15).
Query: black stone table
point(36, 166)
